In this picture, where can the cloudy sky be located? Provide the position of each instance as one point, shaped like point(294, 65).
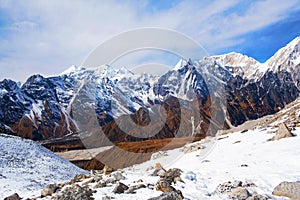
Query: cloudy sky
point(48, 36)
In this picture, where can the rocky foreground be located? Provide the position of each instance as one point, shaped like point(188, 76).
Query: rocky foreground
point(245, 165)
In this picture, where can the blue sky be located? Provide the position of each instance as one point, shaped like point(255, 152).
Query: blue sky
point(47, 37)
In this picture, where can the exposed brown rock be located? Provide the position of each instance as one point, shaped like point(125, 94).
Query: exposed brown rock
point(288, 189)
point(283, 132)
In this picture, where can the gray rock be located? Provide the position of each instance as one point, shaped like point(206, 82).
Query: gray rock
point(49, 190)
point(100, 184)
point(164, 186)
point(239, 193)
point(175, 195)
point(256, 196)
point(172, 175)
point(283, 132)
point(227, 187)
point(13, 197)
point(133, 188)
point(74, 192)
point(192, 147)
point(120, 188)
point(288, 189)
point(107, 170)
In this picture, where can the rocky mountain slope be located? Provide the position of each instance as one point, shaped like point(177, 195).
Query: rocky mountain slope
point(85, 100)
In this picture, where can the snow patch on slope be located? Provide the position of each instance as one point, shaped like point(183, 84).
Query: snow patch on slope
point(26, 167)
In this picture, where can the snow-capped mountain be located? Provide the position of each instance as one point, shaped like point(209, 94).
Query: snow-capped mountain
point(47, 108)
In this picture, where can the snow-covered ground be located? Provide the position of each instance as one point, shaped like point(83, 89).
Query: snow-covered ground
point(247, 157)
point(26, 167)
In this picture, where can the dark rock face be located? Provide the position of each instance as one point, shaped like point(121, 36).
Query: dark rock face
point(247, 101)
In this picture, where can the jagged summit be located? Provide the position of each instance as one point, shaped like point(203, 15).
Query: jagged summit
point(72, 69)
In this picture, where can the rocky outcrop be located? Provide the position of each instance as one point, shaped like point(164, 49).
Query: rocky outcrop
point(288, 189)
point(282, 132)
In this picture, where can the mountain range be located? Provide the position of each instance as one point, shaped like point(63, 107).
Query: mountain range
point(199, 98)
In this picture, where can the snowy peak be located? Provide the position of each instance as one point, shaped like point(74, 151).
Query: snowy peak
point(286, 58)
point(181, 63)
point(235, 60)
point(237, 64)
point(72, 69)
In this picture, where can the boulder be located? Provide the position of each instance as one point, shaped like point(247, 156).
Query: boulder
point(107, 170)
point(159, 170)
point(49, 190)
point(13, 197)
point(164, 186)
point(239, 193)
point(192, 147)
point(227, 187)
point(74, 192)
point(133, 188)
point(256, 196)
point(174, 195)
point(288, 189)
point(172, 175)
point(282, 132)
point(120, 188)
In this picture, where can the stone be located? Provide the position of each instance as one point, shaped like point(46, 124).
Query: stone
point(13, 197)
point(49, 190)
point(227, 187)
point(172, 175)
point(239, 193)
point(244, 131)
point(120, 188)
point(256, 196)
point(159, 170)
point(159, 155)
point(100, 184)
point(79, 178)
point(115, 178)
point(192, 147)
point(164, 186)
point(158, 166)
point(288, 189)
point(118, 176)
point(174, 195)
point(107, 170)
point(74, 192)
point(282, 132)
point(133, 188)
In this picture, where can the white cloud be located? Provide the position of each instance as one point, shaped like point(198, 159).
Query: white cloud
point(46, 36)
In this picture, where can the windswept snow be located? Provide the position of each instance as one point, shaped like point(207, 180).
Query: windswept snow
point(26, 167)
